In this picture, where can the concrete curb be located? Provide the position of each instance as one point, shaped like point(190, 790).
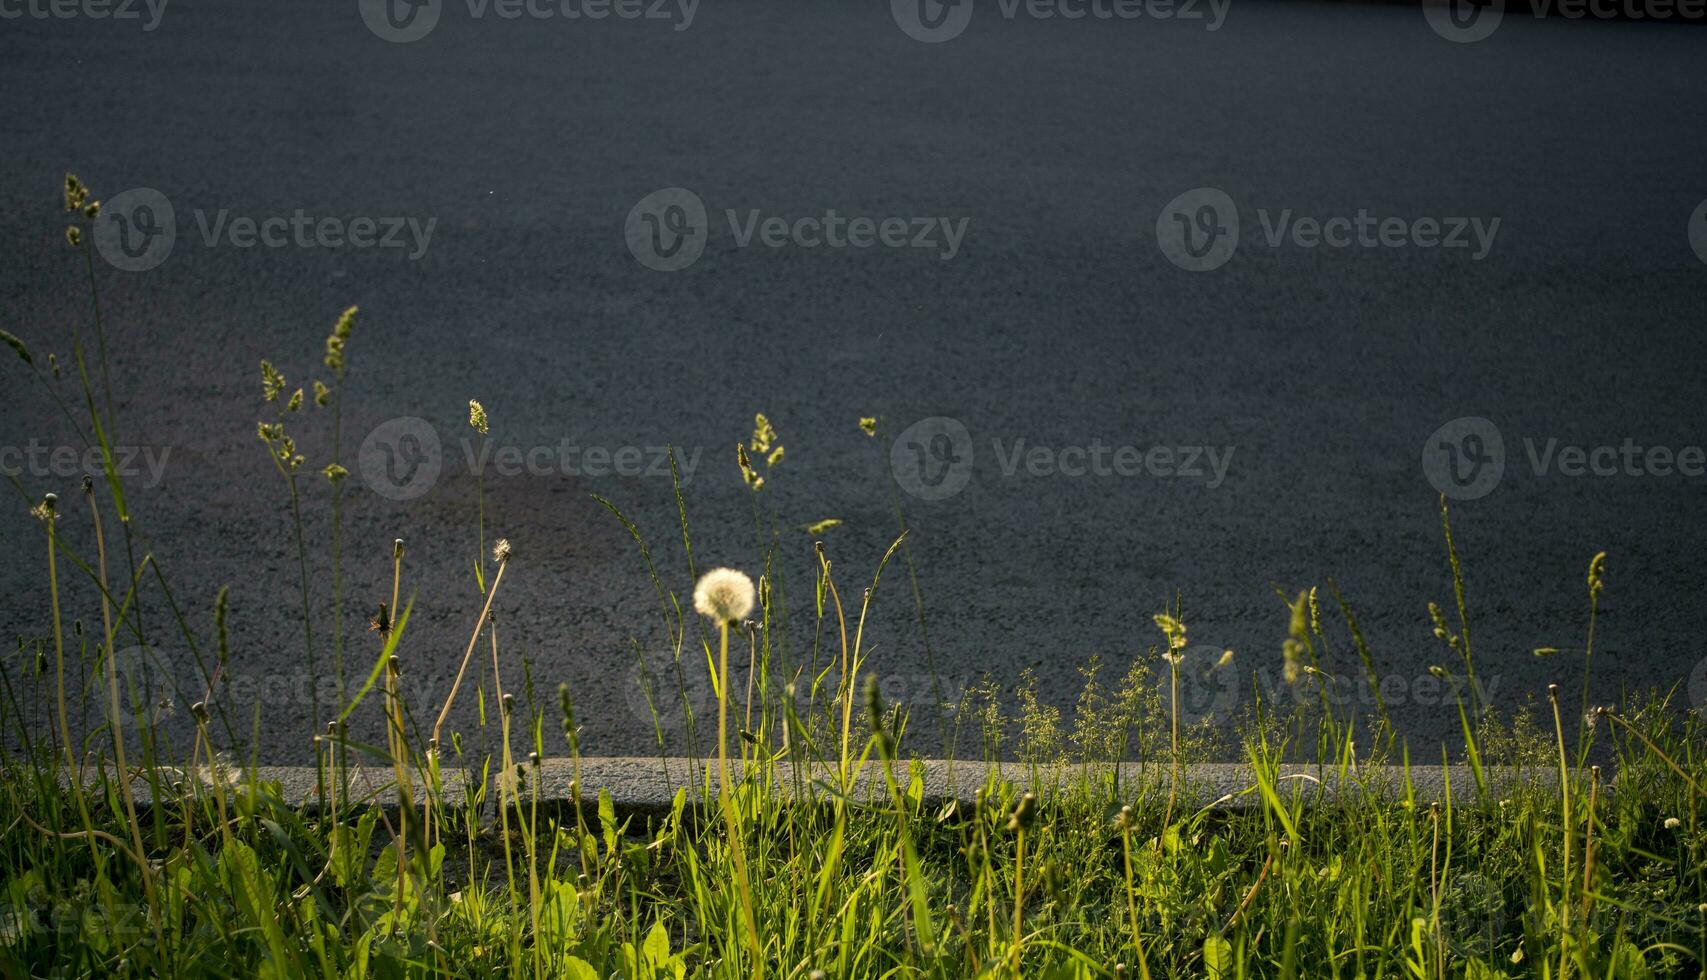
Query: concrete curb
point(648, 786)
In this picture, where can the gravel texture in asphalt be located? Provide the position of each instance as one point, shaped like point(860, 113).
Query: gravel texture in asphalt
point(1151, 309)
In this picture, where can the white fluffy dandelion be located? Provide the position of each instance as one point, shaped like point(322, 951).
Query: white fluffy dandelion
point(723, 595)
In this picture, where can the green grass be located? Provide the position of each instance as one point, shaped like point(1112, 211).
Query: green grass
point(820, 857)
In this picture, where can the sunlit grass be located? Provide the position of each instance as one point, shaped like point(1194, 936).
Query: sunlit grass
point(811, 847)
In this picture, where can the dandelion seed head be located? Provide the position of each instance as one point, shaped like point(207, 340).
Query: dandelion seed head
point(724, 595)
point(1672, 823)
point(501, 551)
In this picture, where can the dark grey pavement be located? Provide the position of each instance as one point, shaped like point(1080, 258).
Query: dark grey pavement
point(1049, 156)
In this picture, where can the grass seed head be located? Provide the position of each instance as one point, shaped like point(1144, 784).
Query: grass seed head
point(1596, 575)
point(75, 193)
point(272, 382)
point(336, 340)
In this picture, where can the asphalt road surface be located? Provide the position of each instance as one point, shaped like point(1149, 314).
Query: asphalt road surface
point(1203, 304)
